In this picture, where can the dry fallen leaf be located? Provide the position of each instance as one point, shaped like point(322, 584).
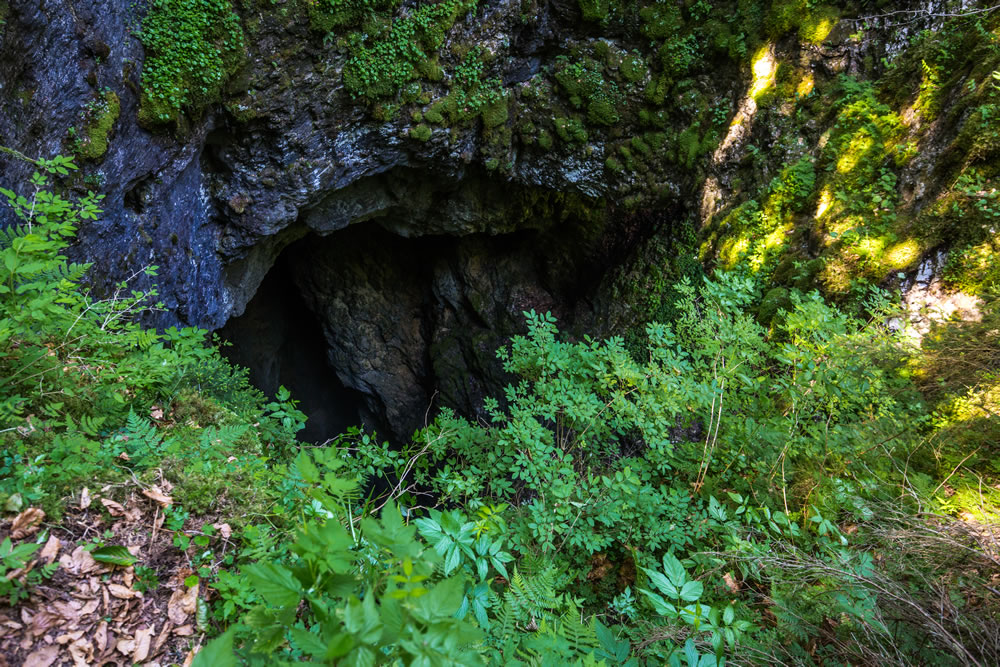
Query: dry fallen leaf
point(142, 640)
point(69, 637)
point(85, 498)
point(101, 636)
point(162, 499)
point(731, 582)
point(123, 592)
point(50, 550)
point(224, 530)
point(161, 638)
point(125, 646)
point(156, 412)
point(68, 610)
point(44, 621)
point(82, 653)
point(26, 523)
point(43, 657)
point(184, 631)
point(115, 509)
point(182, 604)
point(90, 607)
point(81, 562)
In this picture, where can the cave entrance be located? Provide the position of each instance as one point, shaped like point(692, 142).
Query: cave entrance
point(281, 342)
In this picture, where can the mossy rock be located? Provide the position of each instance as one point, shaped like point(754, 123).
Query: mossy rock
point(100, 120)
point(495, 114)
point(545, 140)
point(325, 15)
point(595, 10)
point(633, 68)
point(420, 132)
point(776, 300)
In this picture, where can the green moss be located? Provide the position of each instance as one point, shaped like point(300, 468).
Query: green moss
point(633, 67)
point(420, 132)
point(545, 140)
point(776, 300)
point(595, 10)
point(98, 120)
point(586, 87)
point(785, 15)
point(495, 113)
point(818, 24)
point(192, 48)
point(325, 15)
point(382, 63)
point(570, 130)
point(613, 165)
point(434, 114)
point(641, 146)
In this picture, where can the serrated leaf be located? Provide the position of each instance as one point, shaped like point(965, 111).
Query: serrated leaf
point(274, 583)
point(453, 559)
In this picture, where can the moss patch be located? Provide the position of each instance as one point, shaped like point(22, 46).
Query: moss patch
point(192, 48)
point(99, 117)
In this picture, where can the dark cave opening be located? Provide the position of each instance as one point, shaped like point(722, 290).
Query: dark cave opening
point(281, 342)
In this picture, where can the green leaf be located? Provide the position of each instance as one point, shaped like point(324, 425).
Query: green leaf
point(691, 591)
point(274, 583)
point(728, 615)
point(662, 583)
point(115, 555)
point(662, 607)
point(218, 653)
point(674, 570)
point(308, 642)
point(306, 468)
point(453, 559)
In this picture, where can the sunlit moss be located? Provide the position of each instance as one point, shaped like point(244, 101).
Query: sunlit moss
point(902, 255)
point(765, 67)
point(806, 85)
point(836, 275)
point(733, 250)
point(859, 147)
point(870, 246)
point(818, 25)
point(825, 201)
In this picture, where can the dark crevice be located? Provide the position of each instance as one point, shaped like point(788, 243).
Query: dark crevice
point(281, 342)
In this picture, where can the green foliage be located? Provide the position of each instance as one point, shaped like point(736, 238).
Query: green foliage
point(326, 15)
point(382, 63)
point(729, 487)
point(192, 46)
point(13, 558)
point(78, 371)
point(370, 593)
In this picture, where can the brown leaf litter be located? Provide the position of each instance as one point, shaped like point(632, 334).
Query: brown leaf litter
point(94, 613)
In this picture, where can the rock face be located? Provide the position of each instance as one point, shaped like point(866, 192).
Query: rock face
point(414, 245)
